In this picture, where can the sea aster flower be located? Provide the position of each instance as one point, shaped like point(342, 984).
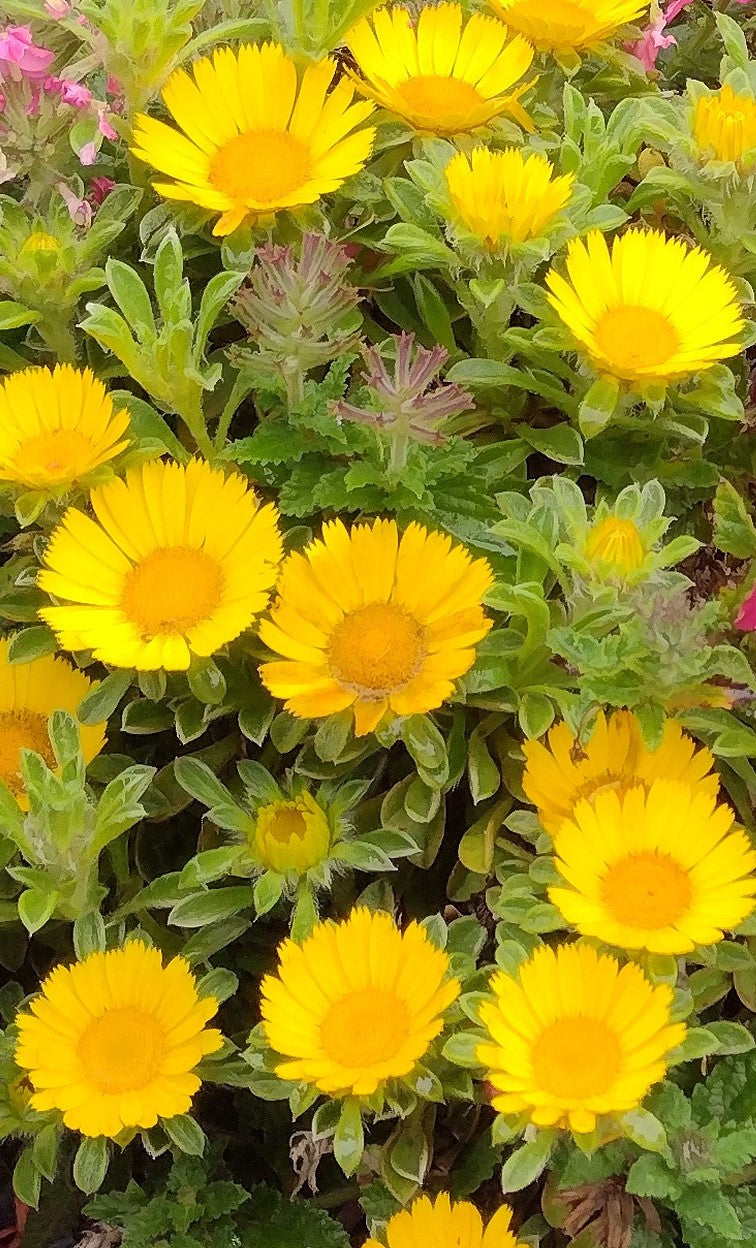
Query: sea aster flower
point(724, 125)
point(178, 562)
point(653, 310)
point(357, 1004)
point(254, 138)
point(574, 1036)
point(660, 870)
point(441, 1223)
point(568, 25)
point(505, 197)
point(368, 620)
point(441, 74)
point(112, 1041)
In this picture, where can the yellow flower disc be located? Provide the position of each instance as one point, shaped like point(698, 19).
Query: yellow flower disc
point(724, 125)
point(441, 74)
point(292, 834)
point(660, 870)
point(56, 426)
point(440, 1223)
point(502, 197)
point(178, 562)
point(112, 1041)
point(255, 140)
point(568, 25)
point(652, 310)
point(358, 1003)
point(574, 1036)
point(617, 544)
point(39, 240)
point(558, 775)
point(367, 620)
point(29, 693)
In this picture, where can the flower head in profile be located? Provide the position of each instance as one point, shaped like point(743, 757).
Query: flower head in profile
point(21, 56)
point(562, 772)
point(573, 1036)
point(504, 198)
point(661, 870)
point(568, 26)
point(407, 396)
point(724, 127)
point(650, 311)
point(441, 74)
point(368, 619)
point(358, 1003)
point(56, 425)
point(29, 693)
point(443, 1223)
point(178, 561)
point(617, 543)
point(112, 1042)
point(254, 138)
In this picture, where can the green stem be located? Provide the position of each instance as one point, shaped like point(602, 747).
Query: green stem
point(58, 337)
point(194, 418)
point(294, 380)
point(400, 438)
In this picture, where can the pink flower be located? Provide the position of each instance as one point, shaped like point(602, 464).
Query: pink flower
point(653, 39)
point(75, 93)
point(100, 188)
point(79, 210)
point(88, 153)
point(57, 9)
point(746, 617)
point(18, 50)
point(105, 128)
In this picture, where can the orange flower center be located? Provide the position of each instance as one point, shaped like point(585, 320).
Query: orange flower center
point(58, 455)
point(171, 590)
point(576, 1058)
point(632, 338)
point(122, 1051)
point(261, 167)
point(21, 730)
point(648, 890)
point(365, 1028)
point(436, 100)
point(377, 649)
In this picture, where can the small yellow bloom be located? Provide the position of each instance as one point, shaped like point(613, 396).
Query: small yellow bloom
point(568, 25)
point(441, 74)
point(441, 1223)
point(179, 561)
point(660, 870)
point(357, 1004)
point(367, 620)
point(503, 197)
point(558, 775)
point(724, 125)
point(574, 1036)
point(56, 426)
point(112, 1041)
point(255, 139)
point(40, 241)
point(616, 543)
point(29, 693)
point(652, 310)
point(292, 834)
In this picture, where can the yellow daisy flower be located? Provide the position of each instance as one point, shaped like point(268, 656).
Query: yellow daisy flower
point(357, 1004)
point(56, 426)
point(255, 139)
point(292, 834)
point(367, 620)
point(558, 775)
point(660, 870)
point(440, 73)
point(724, 125)
point(653, 310)
point(568, 25)
point(29, 693)
point(617, 544)
point(503, 197)
point(574, 1035)
point(178, 562)
point(440, 1223)
point(112, 1041)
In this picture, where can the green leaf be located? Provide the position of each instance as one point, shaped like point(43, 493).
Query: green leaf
point(561, 443)
point(32, 643)
point(210, 907)
point(206, 682)
point(35, 907)
point(650, 1176)
point(349, 1138)
point(27, 1179)
point(45, 1150)
point(267, 892)
point(645, 1130)
point(731, 1037)
point(427, 746)
point(734, 530)
point(89, 934)
point(362, 856)
point(483, 771)
point(130, 293)
point(186, 1134)
point(535, 713)
point(91, 1164)
point(527, 1163)
point(598, 406)
point(462, 1049)
point(273, 1221)
point(200, 782)
point(101, 701)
